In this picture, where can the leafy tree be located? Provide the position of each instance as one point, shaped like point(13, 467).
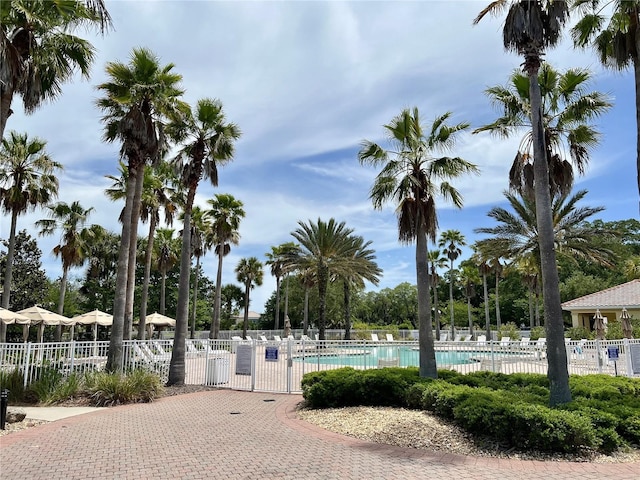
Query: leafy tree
point(436, 260)
point(99, 282)
point(617, 41)
point(225, 215)
point(207, 142)
point(75, 237)
point(166, 253)
point(232, 298)
point(28, 180)
point(200, 244)
point(138, 97)
point(249, 272)
point(451, 241)
point(38, 50)
point(409, 178)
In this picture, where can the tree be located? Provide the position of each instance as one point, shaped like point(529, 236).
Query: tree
point(166, 253)
point(436, 261)
point(138, 97)
point(324, 250)
point(29, 284)
point(72, 249)
point(38, 50)
point(99, 281)
point(249, 273)
point(451, 241)
point(408, 177)
point(469, 276)
point(28, 180)
point(200, 245)
point(225, 215)
point(616, 42)
point(529, 29)
point(360, 266)
point(207, 142)
point(480, 260)
point(277, 260)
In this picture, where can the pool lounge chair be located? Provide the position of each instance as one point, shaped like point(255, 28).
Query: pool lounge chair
point(467, 338)
point(505, 341)
point(374, 337)
point(444, 337)
point(541, 348)
point(524, 341)
point(457, 338)
point(389, 337)
point(482, 340)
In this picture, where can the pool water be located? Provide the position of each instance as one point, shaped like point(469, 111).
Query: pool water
point(407, 355)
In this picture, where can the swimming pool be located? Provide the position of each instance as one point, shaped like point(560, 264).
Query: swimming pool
point(367, 356)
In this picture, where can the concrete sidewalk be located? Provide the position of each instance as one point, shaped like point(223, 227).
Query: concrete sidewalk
point(52, 414)
point(226, 434)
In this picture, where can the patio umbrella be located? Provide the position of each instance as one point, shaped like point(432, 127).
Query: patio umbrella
point(157, 320)
point(627, 328)
point(600, 325)
point(95, 318)
point(287, 327)
point(9, 318)
point(41, 317)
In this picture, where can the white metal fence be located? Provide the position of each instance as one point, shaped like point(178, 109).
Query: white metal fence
point(278, 366)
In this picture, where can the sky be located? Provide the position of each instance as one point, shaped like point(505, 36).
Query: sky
point(307, 82)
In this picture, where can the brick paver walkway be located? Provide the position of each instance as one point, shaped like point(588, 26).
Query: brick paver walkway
point(240, 435)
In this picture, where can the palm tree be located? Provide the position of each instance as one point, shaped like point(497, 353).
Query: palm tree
point(72, 249)
point(200, 244)
point(166, 249)
point(469, 276)
point(249, 273)
point(515, 236)
point(308, 281)
point(436, 261)
point(408, 177)
point(28, 180)
point(530, 273)
point(225, 214)
point(277, 260)
point(529, 29)
point(481, 261)
point(102, 259)
point(207, 142)
point(616, 42)
point(497, 269)
point(359, 266)
point(324, 250)
point(39, 52)
point(451, 241)
point(138, 97)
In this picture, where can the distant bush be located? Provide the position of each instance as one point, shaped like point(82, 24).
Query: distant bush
point(510, 330)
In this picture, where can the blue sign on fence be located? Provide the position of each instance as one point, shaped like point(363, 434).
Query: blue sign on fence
point(613, 352)
point(271, 354)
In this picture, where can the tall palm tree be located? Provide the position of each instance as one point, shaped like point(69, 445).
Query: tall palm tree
point(359, 266)
point(72, 249)
point(277, 260)
point(616, 39)
point(225, 215)
point(102, 259)
point(28, 180)
point(451, 241)
point(39, 52)
point(166, 249)
point(207, 142)
point(324, 250)
point(308, 280)
point(530, 274)
point(138, 97)
point(409, 178)
point(515, 236)
point(484, 269)
point(469, 276)
point(529, 29)
point(249, 272)
point(200, 244)
point(497, 268)
point(436, 261)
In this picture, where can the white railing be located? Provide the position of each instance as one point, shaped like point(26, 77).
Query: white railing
point(278, 366)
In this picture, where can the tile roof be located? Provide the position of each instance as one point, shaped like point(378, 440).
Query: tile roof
point(624, 295)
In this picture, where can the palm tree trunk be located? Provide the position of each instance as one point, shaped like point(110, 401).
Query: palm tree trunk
point(215, 322)
point(115, 352)
point(286, 297)
point(195, 299)
point(470, 316)
point(305, 321)
point(487, 319)
point(5, 108)
point(177, 365)
point(636, 71)
point(436, 312)
point(347, 311)
point(498, 320)
point(163, 291)
point(276, 323)
point(245, 323)
point(323, 280)
point(428, 367)
point(453, 325)
point(531, 317)
point(63, 289)
point(133, 248)
point(144, 297)
point(8, 270)
point(558, 374)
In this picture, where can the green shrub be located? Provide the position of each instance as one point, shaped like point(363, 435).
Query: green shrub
point(578, 333)
point(110, 389)
point(509, 330)
point(48, 379)
point(630, 429)
point(413, 396)
point(441, 397)
point(67, 388)
point(13, 381)
point(537, 332)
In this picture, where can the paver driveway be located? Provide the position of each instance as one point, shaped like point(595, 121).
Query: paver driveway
point(241, 435)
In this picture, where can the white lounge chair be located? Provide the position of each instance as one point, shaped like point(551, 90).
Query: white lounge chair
point(505, 341)
point(457, 338)
point(524, 341)
point(467, 338)
point(444, 337)
point(263, 339)
point(277, 338)
point(541, 347)
point(482, 340)
point(389, 337)
point(374, 337)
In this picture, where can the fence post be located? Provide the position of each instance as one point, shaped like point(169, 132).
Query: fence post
point(25, 367)
point(599, 360)
point(289, 364)
point(627, 356)
point(253, 364)
point(493, 366)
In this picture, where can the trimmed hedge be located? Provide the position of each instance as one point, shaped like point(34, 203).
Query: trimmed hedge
point(511, 409)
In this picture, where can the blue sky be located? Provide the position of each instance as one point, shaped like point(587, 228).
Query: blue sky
point(307, 82)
